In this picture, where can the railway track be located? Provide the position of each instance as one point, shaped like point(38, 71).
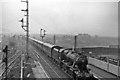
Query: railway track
point(53, 70)
point(42, 55)
point(9, 59)
point(10, 64)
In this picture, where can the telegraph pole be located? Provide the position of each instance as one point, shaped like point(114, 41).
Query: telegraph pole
point(75, 42)
point(118, 60)
point(118, 41)
point(54, 39)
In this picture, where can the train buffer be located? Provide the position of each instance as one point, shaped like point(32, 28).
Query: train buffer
point(39, 71)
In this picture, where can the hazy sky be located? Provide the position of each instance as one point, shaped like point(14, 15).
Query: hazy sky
point(63, 16)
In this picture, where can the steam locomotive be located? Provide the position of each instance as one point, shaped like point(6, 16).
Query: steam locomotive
point(74, 64)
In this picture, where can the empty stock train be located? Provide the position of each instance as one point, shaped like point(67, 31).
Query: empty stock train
point(71, 62)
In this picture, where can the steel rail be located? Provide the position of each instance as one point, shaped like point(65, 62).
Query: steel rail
point(9, 64)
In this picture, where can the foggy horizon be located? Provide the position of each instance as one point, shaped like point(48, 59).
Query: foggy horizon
point(62, 17)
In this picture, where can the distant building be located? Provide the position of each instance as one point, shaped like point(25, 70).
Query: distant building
point(84, 34)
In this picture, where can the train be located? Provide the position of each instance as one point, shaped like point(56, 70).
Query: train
point(72, 63)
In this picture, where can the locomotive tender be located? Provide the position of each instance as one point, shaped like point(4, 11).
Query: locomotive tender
point(71, 62)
